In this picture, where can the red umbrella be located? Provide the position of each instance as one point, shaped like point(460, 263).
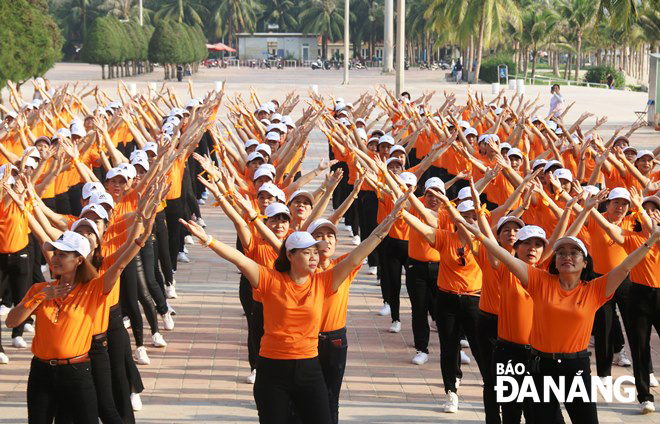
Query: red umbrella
point(220, 47)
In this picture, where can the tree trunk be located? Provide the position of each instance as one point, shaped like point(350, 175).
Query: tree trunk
point(102, 71)
point(534, 54)
point(165, 72)
point(555, 64)
point(577, 55)
point(480, 44)
point(567, 69)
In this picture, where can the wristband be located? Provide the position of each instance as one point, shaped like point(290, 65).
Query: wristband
point(209, 241)
point(255, 218)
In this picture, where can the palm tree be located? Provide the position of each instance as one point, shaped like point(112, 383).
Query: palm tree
point(186, 11)
point(579, 16)
point(281, 12)
point(125, 9)
point(538, 24)
point(324, 17)
point(237, 15)
point(368, 24)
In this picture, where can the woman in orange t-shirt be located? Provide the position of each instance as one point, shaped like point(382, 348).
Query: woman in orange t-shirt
point(565, 302)
point(293, 295)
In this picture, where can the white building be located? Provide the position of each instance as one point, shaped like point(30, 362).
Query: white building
point(289, 46)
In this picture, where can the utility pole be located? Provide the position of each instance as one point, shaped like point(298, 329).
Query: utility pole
point(388, 54)
point(346, 39)
point(400, 44)
point(141, 20)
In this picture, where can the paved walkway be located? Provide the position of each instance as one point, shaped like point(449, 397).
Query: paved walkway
point(199, 377)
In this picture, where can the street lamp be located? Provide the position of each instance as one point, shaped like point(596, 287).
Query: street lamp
point(346, 39)
point(400, 44)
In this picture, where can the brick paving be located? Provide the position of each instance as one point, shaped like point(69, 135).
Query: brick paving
point(199, 377)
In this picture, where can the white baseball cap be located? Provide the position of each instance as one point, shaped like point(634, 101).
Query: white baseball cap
point(470, 131)
point(652, 199)
point(89, 223)
point(373, 139)
point(550, 164)
point(483, 138)
point(345, 122)
point(262, 172)
point(276, 209)
point(151, 147)
point(255, 155)
point(386, 139)
point(31, 163)
point(264, 148)
point(539, 162)
point(61, 133)
point(97, 209)
point(128, 169)
point(91, 187)
point(264, 121)
point(514, 151)
point(339, 106)
point(321, 222)
point(70, 242)
point(116, 171)
point(268, 188)
point(78, 129)
point(101, 197)
point(552, 125)
point(505, 146)
point(302, 240)
point(563, 174)
point(435, 183)
point(276, 117)
point(138, 154)
point(642, 153)
point(619, 193)
point(32, 152)
point(591, 190)
point(408, 178)
point(288, 121)
point(465, 206)
point(509, 218)
point(573, 241)
point(397, 148)
point(390, 160)
point(465, 193)
point(531, 231)
point(273, 136)
point(139, 160)
point(303, 193)
point(252, 142)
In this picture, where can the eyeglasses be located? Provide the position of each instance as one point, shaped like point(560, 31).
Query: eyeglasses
point(461, 256)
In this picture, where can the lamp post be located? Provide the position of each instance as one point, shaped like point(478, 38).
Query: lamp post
point(400, 44)
point(141, 20)
point(388, 47)
point(346, 39)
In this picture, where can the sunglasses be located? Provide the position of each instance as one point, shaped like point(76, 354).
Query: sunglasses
point(461, 256)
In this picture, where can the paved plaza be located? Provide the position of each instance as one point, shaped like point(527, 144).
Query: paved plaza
point(199, 377)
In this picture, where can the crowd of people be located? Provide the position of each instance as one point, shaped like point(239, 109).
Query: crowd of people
point(491, 213)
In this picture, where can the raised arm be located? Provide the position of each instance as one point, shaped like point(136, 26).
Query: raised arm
point(619, 273)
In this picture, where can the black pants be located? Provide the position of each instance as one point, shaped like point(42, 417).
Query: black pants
point(507, 353)
point(34, 252)
point(62, 204)
point(188, 193)
point(333, 349)
point(394, 255)
point(173, 212)
point(245, 296)
point(422, 285)
point(148, 257)
point(257, 327)
point(605, 335)
point(163, 247)
point(456, 312)
point(14, 269)
point(144, 296)
point(75, 195)
point(282, 382)
point(125, 375)
point(368, 217)
point(487, 335)
point(353, 214)
point(578, 410)
point(102, 375)
point(129, 300)
point(65, 391)
point(341, 191)
point(644, 315)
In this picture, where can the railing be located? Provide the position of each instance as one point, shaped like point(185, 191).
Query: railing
point(553, 80)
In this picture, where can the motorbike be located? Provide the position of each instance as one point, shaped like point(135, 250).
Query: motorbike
point(317, 64)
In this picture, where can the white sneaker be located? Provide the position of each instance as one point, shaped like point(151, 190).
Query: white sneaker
point(373, 270)
point(356, 240)
point(4, 359)
point(451, 405)
point(464, 344)
point(141, 356)
point(29, 328)
point(168, 321)
point(606, 380)
point(201, 222)
point(252, 377)
point(458, 383)
point(653, 382)
point(646, 407)
point(464, 358)
point(205, 195)
point(4, 310)
point(127, 323)
point(420, 358)
point(18, 342)
point(201, 202)
point(170, 292)
point(182, 257)
point(621, 359)
point(188, 240)
point(157, 340)
point(385, 310)
point(173, 282)
point(185, 249)
point(395, 327)
point(171, 310)
point(136, 402)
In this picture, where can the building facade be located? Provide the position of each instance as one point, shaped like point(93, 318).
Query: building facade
point(288, 46)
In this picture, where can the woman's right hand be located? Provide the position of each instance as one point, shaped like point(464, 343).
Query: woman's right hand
point(195, 229)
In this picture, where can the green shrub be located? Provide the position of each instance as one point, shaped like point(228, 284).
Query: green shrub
point(488, 71)
point(598, 74)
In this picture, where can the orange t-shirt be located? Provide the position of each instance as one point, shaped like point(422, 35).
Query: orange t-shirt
point(336, 305)
point(490, 286)
point(102, 317)
point(176, 177)
point(454, 277)
point(127, 204)
point(400, 229)
point(563, 319)
point(645, 272)
point(67, 333)
point(418, 247)
point(292, 313)
point(516, 309)
point(13, 227)
point(610, 254)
